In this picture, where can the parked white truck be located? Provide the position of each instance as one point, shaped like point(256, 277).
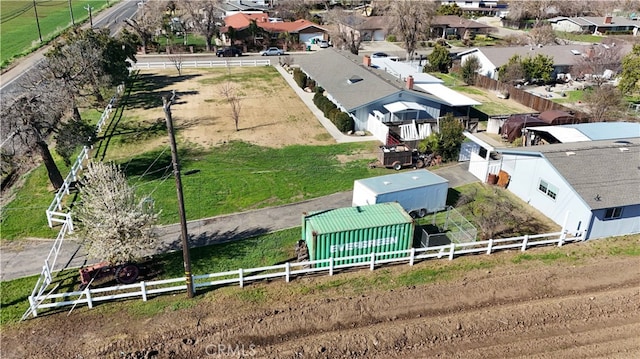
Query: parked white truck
point(419, 192)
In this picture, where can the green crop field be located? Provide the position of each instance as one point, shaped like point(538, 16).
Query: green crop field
point(19, 29)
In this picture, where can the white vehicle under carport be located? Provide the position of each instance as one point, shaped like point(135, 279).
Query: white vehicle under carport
point(419, 192)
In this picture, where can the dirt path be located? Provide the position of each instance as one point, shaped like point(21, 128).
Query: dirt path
point(559, 310)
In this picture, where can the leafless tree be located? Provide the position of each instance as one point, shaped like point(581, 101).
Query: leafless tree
point(542, 34)
point(531, 9)
point(597, 59)
point(31, 118)
point(148, 21)
point(176, 57)
point(232, 96)
point(292, 9)
point(411, 21)
point(204, 15)
point(346, 33)
point(114, 223)
point(604, 102)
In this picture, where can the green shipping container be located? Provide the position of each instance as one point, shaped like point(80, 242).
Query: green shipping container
point(351, 231)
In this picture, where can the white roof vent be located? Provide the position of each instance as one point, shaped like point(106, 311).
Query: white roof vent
point(623, 149)
point(415, 177)
point(571, 153)
point(386, 183)
point(575, 52)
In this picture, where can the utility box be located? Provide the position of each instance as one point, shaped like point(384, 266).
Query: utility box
point(419, 192)
point(352, 231)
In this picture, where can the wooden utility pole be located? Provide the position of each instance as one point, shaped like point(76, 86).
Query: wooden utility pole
point(35, 9)
point(166, 106)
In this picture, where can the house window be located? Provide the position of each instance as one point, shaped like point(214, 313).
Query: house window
point(613, 213)
point(548, 189)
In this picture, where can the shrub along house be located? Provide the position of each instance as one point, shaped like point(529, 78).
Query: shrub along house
point(588, 184)
point(383, 96)
point(272, 32)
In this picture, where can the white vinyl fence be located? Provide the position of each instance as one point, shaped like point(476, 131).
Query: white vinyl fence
point(199, 64)
point(292, 269)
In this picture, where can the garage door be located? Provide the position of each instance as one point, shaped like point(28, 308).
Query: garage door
point(306, 38)
point(379, 35)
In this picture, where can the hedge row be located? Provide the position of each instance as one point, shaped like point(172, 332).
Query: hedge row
point(342, 120)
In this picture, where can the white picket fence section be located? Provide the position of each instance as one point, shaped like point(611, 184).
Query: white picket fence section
point(292, 269)
point(54, 211)
point(199, 64)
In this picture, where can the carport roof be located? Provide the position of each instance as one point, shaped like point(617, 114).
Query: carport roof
point(403, 106)
point(447, 95)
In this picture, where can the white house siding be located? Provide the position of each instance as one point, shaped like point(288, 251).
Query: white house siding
point(379, 35)
point(566, 26)
point(526, 172)
point(362, 113)
point(628, 223)
point(306, 38)
point(487, 68)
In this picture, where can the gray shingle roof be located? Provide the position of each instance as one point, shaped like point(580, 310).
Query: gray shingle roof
point(332, 69)
point(601, 172)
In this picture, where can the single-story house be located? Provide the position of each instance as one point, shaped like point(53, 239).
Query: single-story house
point(479, 7)
point(595, 25)
point(565, 57)
point(371, 28)
point(303, 31)
point(380, 94)
point(587, 184)
point(445, 25)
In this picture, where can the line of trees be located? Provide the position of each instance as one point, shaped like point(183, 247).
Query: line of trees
point(78, 72)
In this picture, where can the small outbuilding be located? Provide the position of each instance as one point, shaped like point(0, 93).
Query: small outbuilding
point(512, 127)
point(557, 117)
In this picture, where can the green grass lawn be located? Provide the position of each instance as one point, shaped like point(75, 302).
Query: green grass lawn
point(18, 26)
point(571, 97)
point(579, 37)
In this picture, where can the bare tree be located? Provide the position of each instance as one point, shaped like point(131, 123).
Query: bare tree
point(32, 117)
point(604, 102)
point(542, 34)
point(114, 223)
point(233, 98)
point(176, 57)
point(292, 9)
point(347, 32)
point(531, 9)
point(204, 16)
point(596, 60)
point(148, 20)
point(411, 21)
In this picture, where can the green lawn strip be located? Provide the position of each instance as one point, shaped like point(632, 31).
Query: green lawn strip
point(18, 23)
point(571, 97)
point(238, 176)
point(579, 37)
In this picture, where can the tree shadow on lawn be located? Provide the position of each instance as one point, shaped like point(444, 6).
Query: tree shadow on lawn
point(145, 91)
point(231, 250)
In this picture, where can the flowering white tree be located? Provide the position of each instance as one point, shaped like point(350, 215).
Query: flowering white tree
point(115, 225)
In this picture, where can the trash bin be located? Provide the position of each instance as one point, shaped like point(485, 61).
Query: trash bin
point(308, 47)
point(313, 41)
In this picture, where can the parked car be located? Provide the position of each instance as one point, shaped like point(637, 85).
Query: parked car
point(229, 52)
point(379, 54)
point(272, 51)
point(323, 44)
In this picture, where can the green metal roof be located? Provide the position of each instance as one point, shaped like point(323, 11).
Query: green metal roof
point(352, 218)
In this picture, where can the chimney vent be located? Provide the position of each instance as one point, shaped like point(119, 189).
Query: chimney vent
point(607, 19)
point(410, 82)
point(366, 60)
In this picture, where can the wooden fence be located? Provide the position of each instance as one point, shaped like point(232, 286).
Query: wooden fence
point(525, 98)
point(290, 270)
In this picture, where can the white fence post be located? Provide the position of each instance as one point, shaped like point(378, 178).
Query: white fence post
point(331, 266)
point(240, 277)
point(524, 243)
point(490, 246)
point(143, 289)
point(287, 271)
point(452, 250)
point(413, 255)
point(87, 293)
point(373, 261)
point(563, 236)
point(33, 306)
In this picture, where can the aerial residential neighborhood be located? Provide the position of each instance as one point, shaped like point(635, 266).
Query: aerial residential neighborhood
point(319, 179)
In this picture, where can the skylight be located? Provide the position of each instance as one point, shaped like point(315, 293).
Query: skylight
point(354, 79)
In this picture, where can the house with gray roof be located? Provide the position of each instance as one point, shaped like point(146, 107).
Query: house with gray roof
point(565, 57)
point(595, 25)
point(383, 95)
point(590, 184)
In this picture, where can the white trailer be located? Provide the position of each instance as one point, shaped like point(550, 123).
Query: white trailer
point(419, 192)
